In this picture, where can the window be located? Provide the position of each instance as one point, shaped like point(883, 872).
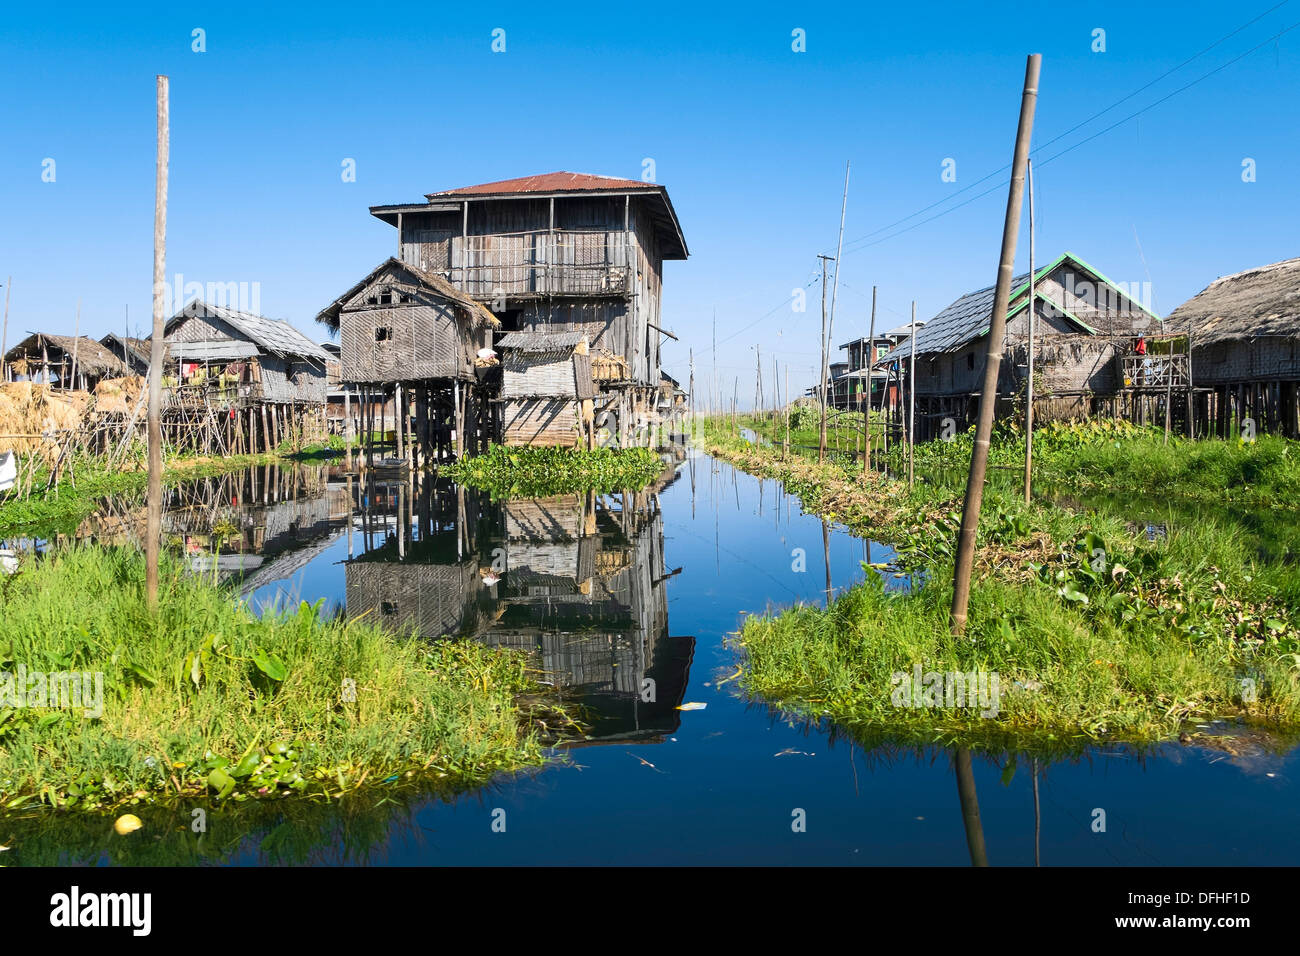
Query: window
point(383, 333)
point(970, 360)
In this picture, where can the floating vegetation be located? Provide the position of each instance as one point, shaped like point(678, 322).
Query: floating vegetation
point(525, 472)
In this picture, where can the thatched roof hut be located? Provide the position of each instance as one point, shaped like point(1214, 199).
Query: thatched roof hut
point(1258, 303)
point(51, 358)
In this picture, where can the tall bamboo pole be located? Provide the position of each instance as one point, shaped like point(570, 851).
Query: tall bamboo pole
point(970, 808)
point(4, 335)
point(911, 403)
point(1033, 310)
point(153, 532)
point(997, 333)
point(867, 366)
point(825, 369)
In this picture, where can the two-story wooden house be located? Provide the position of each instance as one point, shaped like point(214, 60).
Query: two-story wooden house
point(559, 252)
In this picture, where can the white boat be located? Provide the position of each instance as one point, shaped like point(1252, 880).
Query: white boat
point(8, 470)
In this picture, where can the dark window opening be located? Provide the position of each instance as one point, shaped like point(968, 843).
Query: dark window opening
point(406, 297)
point(383, 333)
point(388, 607)
point(970, 360)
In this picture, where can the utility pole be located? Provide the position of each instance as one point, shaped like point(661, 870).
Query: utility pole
point(970, 515)
point(821, 441)
point(785, 449)
point(911, 404)
point(758, 385)
point(1033, 311)
point(153, 521)
point(867, 367)
point(76, 345)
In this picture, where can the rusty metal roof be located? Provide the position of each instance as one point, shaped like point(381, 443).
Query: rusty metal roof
point(557, 182)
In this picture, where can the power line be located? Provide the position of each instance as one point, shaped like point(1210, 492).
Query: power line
point(1076, 127)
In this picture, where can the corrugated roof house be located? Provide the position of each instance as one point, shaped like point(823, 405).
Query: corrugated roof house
point(259, 359)
point(1084, 323)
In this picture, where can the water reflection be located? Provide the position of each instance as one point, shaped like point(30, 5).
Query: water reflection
point(576, 582)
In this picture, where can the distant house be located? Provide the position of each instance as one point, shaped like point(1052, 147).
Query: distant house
point(863, 353)
point(63, 361)
point(1085, 325)
point(132, 352)
point(240, 357)
point(547, 389)
point(1245, 343)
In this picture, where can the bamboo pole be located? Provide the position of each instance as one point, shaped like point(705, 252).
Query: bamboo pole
point(970, 808)
point(911, 404)
point(1033, 309)
point(868, 365)
point(4, 335)
point(997, 333)
point(153, 521)
point(825, 370)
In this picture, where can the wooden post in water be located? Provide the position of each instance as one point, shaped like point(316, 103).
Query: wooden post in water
point(153, 517)
point(785, 448)
point(970, 515)
point(1029, 381)
point(970, 808)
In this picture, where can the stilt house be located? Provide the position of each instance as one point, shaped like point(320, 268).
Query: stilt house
point(1085, 325)
point(560, 252)
point(1244, 331)
point(547, 389)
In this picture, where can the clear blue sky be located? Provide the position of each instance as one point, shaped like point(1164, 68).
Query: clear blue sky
point(749, 137)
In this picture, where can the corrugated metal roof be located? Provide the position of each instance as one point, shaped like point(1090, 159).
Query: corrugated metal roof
point(548, 183)
point(211, 351)
point(541, 341)
point(275, 335)
point(963, 321)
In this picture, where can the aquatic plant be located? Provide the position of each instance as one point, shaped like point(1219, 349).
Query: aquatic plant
point(207, 697)
point(528, 472)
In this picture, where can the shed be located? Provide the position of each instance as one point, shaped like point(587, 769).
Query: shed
point(64, 361)
point(249, 356)
point(400, 323)
point(546, 389)
point(132, 352)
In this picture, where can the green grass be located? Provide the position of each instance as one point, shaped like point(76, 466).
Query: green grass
point(509, 472)
point(206, 697)
point(1125, 638)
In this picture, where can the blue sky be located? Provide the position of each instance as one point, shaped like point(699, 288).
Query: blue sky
point(749, 136)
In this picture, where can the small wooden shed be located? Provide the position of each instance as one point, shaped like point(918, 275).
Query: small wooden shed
point(547, 390)
point(402, 324)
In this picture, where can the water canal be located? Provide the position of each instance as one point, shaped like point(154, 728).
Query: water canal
point(616, 594)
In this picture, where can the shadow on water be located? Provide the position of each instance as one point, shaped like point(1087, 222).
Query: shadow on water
point(626, 604)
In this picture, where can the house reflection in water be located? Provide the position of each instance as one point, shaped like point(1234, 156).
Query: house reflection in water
point(576, 582)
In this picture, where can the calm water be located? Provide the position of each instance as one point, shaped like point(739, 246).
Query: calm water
point(610, 592)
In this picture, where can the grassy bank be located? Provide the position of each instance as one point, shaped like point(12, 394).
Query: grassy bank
point(508, 472)
point(62, 509)
point(206, 698)
point(1094, 630)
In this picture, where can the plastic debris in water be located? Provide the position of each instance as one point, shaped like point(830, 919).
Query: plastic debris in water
point(127, 823)
point(693, 705)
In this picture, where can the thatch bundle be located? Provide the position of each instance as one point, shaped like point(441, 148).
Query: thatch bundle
point(29, 411)
point(119, 396)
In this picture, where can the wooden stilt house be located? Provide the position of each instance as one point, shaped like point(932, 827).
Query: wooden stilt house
point(1244, 334)
point(560, 252)
point(63, 361)
point(1085, 325)
point(407, 333)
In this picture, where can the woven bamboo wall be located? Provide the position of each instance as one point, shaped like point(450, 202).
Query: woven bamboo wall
point(404, 342)
point(541, 421)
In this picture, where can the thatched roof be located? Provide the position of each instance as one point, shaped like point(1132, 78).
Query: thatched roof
point(474, 311)
point(1251, 304)
point(92, 358)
